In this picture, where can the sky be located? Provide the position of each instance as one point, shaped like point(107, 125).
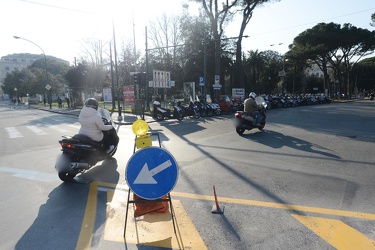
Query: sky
point(63, 28)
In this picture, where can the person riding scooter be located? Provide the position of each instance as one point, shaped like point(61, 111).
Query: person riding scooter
point(251, 108)
point(92, 124)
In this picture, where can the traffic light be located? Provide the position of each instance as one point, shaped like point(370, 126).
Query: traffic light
point(143, 78)
point(136, 78)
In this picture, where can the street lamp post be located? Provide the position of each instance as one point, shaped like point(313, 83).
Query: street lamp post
point(282, 73)
point(45, 64)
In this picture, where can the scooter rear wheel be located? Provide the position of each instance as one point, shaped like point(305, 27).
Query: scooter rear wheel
point(180, 117)
point(159, 117)
point(66, 176)
point(240, 131)
point(196, 114)
point(262, 126)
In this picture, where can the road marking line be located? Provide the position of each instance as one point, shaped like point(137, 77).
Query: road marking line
point(154, 229)
point(36, 130)
point(13, 132)
point(337, 233)
point(159, 234)
point(88, 223)
point(86, 233)
point(290, 207)
point(29, 174)
point(55, 127)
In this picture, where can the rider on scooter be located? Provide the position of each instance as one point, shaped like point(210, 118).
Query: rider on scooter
point(250, 108)
point(92, 124)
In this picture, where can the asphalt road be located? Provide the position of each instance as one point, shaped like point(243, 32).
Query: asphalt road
point(305, 182)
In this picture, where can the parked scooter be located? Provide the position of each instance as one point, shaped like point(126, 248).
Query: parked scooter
point(244, 123)
point(209, 109)
point(190, 110)
point(160, 113)
point(80, 153)
point(216, 108)
point(202, 108)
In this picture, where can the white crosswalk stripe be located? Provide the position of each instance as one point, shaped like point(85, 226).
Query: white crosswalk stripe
point(41, 129)
point(13, 132)
point(55, 127)
point(36, 130)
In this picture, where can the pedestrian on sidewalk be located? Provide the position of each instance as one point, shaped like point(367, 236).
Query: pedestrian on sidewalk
point(67, 102)
point(59, 102)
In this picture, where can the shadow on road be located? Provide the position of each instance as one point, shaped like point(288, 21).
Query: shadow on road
point(59, 220)
point(275, 140)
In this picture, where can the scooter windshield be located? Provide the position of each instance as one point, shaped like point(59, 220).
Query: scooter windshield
point(105, 114)
point(260, 101)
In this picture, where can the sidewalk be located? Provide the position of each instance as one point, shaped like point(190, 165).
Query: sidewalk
point(126, 118)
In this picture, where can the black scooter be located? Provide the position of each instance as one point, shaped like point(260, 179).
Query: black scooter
point(242, 120)
point(80, 153)
point(160, 113)
point(190, 110)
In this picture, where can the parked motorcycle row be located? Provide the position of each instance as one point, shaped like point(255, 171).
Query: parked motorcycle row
point(199, 108)
point(285, 101)
point(179, 110)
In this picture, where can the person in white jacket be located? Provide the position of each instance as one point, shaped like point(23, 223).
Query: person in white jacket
point(92, 124)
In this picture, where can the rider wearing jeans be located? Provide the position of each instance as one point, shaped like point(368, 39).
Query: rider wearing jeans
point(92, 124)
point(250, 107)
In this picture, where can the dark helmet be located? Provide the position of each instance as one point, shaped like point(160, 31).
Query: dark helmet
point(92, 103)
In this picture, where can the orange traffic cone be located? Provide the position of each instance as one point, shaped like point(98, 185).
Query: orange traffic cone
point(215, 208)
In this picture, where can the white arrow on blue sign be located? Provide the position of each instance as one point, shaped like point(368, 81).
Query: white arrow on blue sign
point(151, 173)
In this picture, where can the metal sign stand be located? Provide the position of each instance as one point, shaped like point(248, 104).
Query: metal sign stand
point(169, 200)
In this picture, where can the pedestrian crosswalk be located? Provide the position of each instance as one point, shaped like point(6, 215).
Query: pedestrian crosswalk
point(41, 129)
point(13, 132)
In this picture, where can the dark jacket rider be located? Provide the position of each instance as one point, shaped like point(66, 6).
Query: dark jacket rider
point(250, 106)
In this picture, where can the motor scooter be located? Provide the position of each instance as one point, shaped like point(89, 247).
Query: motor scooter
point(190, 110)
point(245, 122)
point(160, 113)
point(80, 153)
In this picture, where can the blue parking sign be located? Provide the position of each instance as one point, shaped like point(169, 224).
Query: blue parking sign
point(201, 81)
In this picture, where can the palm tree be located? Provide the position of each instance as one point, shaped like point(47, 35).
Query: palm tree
point(255, 65)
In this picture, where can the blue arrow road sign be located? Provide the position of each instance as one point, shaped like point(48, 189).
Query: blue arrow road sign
point(151, 173)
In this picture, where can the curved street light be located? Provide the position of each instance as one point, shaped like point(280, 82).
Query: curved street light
point(45, 62)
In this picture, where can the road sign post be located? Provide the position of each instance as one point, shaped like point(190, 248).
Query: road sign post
point(151, 174)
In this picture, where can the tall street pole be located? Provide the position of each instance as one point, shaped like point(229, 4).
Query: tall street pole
point(112, 79)
point(116, 69)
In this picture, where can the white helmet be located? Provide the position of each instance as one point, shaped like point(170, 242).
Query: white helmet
point(252, 95)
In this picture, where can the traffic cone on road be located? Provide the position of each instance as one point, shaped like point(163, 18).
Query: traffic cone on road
point(215, 208)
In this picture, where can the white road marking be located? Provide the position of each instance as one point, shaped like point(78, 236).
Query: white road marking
point(13, 132)
point(30, 174)
point(36, 130)
point(55, 127)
